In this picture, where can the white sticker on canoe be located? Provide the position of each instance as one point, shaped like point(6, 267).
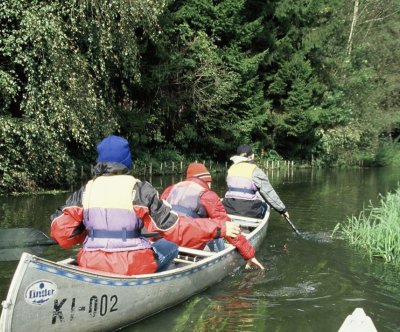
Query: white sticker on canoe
point(40, 292)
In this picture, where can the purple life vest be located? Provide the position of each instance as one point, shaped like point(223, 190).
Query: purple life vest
point(185, 199)
point(109, 217)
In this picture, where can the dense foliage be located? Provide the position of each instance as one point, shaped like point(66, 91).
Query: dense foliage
point(194, 77)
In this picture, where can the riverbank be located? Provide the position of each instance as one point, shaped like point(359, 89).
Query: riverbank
point(147, 169)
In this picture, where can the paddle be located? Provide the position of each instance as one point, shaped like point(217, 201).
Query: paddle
point(15, 241)
point(23, 237)
point(293, 227)
point(290, 223)
point(31, 237)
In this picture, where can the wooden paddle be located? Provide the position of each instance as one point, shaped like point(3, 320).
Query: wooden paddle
point(31, 237)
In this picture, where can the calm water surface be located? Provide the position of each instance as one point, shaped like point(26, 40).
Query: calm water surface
point(310, 284)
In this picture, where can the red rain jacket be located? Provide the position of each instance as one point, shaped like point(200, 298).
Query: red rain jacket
point(216, 211)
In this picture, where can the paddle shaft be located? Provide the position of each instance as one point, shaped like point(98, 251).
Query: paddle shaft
point(293, 227)
point(287, 219)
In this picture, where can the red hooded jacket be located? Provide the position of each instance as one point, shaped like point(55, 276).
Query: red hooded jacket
point(216, 211)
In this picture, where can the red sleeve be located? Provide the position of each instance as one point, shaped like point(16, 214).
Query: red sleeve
point(64, 225)
point(244, 247)
point(213, 205)
point(187, 232)
point(216, 210)
point(195, 233)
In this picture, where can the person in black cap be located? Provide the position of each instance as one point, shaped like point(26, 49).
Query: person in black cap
point(107, 214)
point(249, 188)
point(194, 198)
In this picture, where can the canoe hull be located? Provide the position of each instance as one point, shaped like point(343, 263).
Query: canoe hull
point(50, 296)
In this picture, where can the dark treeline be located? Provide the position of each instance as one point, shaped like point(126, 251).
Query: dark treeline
point(193, 79)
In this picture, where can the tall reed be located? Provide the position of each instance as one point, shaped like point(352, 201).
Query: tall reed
point(377, 229)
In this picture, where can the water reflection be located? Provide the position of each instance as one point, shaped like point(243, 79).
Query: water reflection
point(29, 211)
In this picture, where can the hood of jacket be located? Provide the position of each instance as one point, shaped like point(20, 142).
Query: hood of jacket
point(110, 168)
point(239, 159)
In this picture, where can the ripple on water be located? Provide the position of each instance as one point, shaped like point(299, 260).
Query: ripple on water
point(321, 237)
point(304, 288)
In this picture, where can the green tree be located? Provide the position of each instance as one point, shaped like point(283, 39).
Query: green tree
point(65, 68)
point(364, 74)
point(203, 75)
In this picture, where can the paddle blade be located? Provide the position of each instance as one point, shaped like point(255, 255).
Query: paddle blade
point(14, 254)
point(23, 237)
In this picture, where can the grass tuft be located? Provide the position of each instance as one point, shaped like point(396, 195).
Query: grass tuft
point(377, 229)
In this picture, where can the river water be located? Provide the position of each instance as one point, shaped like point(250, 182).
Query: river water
point(310, 283)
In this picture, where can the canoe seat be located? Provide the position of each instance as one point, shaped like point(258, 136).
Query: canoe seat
point(191, 256)
point(184, 261)
point(196, 252)
point(186, 255)
point(240, 218)
point(246, 223)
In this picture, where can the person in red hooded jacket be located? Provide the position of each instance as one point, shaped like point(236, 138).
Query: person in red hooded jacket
point(193, 198)
point(107, 214)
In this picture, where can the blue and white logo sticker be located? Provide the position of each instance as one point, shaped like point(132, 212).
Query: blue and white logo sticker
point(40, 292)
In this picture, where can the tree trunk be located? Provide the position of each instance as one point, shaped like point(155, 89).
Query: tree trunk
point(353, 25)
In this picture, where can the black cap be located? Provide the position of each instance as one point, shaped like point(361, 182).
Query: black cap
point(245, 150)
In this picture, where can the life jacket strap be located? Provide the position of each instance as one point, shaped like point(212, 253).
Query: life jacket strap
point(106, 234)
point(242, 190)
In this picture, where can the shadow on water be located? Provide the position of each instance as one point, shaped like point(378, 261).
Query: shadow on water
point(310, 283)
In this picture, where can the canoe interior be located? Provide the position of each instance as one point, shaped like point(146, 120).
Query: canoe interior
point(189, 256)
point(60, 296)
